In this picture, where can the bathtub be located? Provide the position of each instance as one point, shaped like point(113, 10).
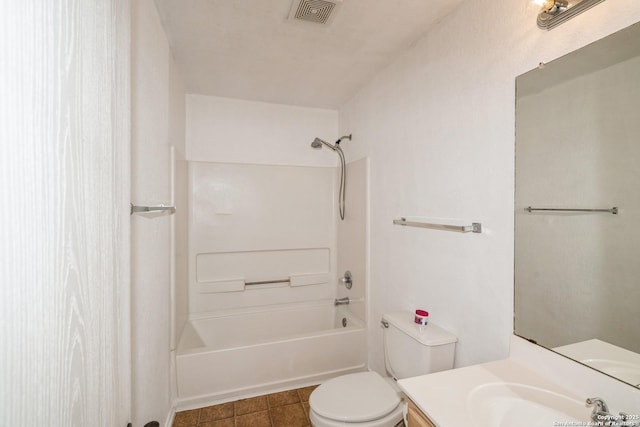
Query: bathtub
point(234, 355)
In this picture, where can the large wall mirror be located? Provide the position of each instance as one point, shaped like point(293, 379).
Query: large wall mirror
point(577, 205)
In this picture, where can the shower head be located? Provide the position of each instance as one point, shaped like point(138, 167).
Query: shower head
point(317, 143)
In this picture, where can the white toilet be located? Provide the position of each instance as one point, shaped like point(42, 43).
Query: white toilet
point(366, 399)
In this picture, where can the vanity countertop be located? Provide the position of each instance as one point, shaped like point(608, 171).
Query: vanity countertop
point(447, 397)
point(490, 393)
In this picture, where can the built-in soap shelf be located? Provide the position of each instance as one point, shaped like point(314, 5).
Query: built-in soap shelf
point(241, 284)
point(261, 269)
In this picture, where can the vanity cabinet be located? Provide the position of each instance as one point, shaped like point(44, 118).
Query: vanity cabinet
point(416, 418)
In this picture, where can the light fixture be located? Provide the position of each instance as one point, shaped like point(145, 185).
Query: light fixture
point(556, 12)
point(552, 6)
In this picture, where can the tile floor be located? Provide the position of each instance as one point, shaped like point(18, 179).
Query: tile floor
point(285, 409)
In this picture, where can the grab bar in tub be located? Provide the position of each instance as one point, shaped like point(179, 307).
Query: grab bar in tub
point(267, 282)
point(295, 280)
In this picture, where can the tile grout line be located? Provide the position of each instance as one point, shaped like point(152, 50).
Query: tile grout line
point(269, 409)
point(302, 404)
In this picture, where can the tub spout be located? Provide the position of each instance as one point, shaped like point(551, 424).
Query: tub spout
point(341, 301)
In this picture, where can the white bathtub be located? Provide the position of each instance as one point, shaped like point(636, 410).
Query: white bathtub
point(225, 357)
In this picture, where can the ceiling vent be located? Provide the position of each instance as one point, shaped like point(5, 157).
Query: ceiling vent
point(318, 11)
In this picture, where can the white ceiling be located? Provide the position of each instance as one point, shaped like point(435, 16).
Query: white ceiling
point(249, 49)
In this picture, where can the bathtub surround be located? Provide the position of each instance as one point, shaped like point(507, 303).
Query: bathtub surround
point(157, 122)
point(353, 232)
point(438, 128)
point(263, 245)
point(254, 230)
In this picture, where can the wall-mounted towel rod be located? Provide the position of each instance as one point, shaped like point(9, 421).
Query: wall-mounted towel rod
point(475, 227)
point(167, 210)
point(613, 210)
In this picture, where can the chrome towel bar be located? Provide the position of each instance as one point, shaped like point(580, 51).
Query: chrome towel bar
point(169, 210)
point(613, 210)
point(475, 227)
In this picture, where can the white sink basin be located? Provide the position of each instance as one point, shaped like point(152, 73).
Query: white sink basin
point(608, 358)
point(628, 372)
point(510, 404)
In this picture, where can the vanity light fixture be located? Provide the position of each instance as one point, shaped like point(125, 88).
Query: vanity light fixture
point(556, 12)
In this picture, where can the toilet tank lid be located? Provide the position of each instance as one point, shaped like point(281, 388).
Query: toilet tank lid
point(430, 334)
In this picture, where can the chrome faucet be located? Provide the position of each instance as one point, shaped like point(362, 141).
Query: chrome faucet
point(602, 417)
point(341, 301)
point(600, 409)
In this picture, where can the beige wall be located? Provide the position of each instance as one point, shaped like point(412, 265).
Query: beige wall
point(157, 122)
point(438, 128)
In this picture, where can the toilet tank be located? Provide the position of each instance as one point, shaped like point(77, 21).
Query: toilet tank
point(411, 349)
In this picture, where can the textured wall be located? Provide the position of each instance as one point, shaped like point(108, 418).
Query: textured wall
point(64, 108)
point(156, 122)
point(438, 128)
point(237, 131)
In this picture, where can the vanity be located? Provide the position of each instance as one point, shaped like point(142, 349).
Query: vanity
point(575, 353)
point(532, 388)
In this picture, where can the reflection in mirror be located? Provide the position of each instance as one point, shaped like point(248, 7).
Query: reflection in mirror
point(577, 271)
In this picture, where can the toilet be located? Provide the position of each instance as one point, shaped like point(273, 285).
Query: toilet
point(366, 399)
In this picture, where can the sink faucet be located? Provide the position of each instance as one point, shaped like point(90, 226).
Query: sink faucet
point(600, 412)
point(601, 415)
point(341, 301)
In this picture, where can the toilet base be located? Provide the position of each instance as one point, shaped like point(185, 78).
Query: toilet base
point(389, 420)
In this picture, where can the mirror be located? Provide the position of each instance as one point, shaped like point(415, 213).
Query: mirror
point(577, 205)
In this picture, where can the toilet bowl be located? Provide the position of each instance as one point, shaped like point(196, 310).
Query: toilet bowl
point(366, 399)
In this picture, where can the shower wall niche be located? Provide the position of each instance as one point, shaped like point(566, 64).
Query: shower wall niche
point(260, 235)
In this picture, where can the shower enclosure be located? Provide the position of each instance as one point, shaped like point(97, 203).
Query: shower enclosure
point(257, 313)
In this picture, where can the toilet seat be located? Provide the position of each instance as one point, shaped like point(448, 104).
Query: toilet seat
point(390, 420)
point(362, 399)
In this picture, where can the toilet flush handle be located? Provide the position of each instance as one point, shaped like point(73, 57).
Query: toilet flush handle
point(384, 323)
